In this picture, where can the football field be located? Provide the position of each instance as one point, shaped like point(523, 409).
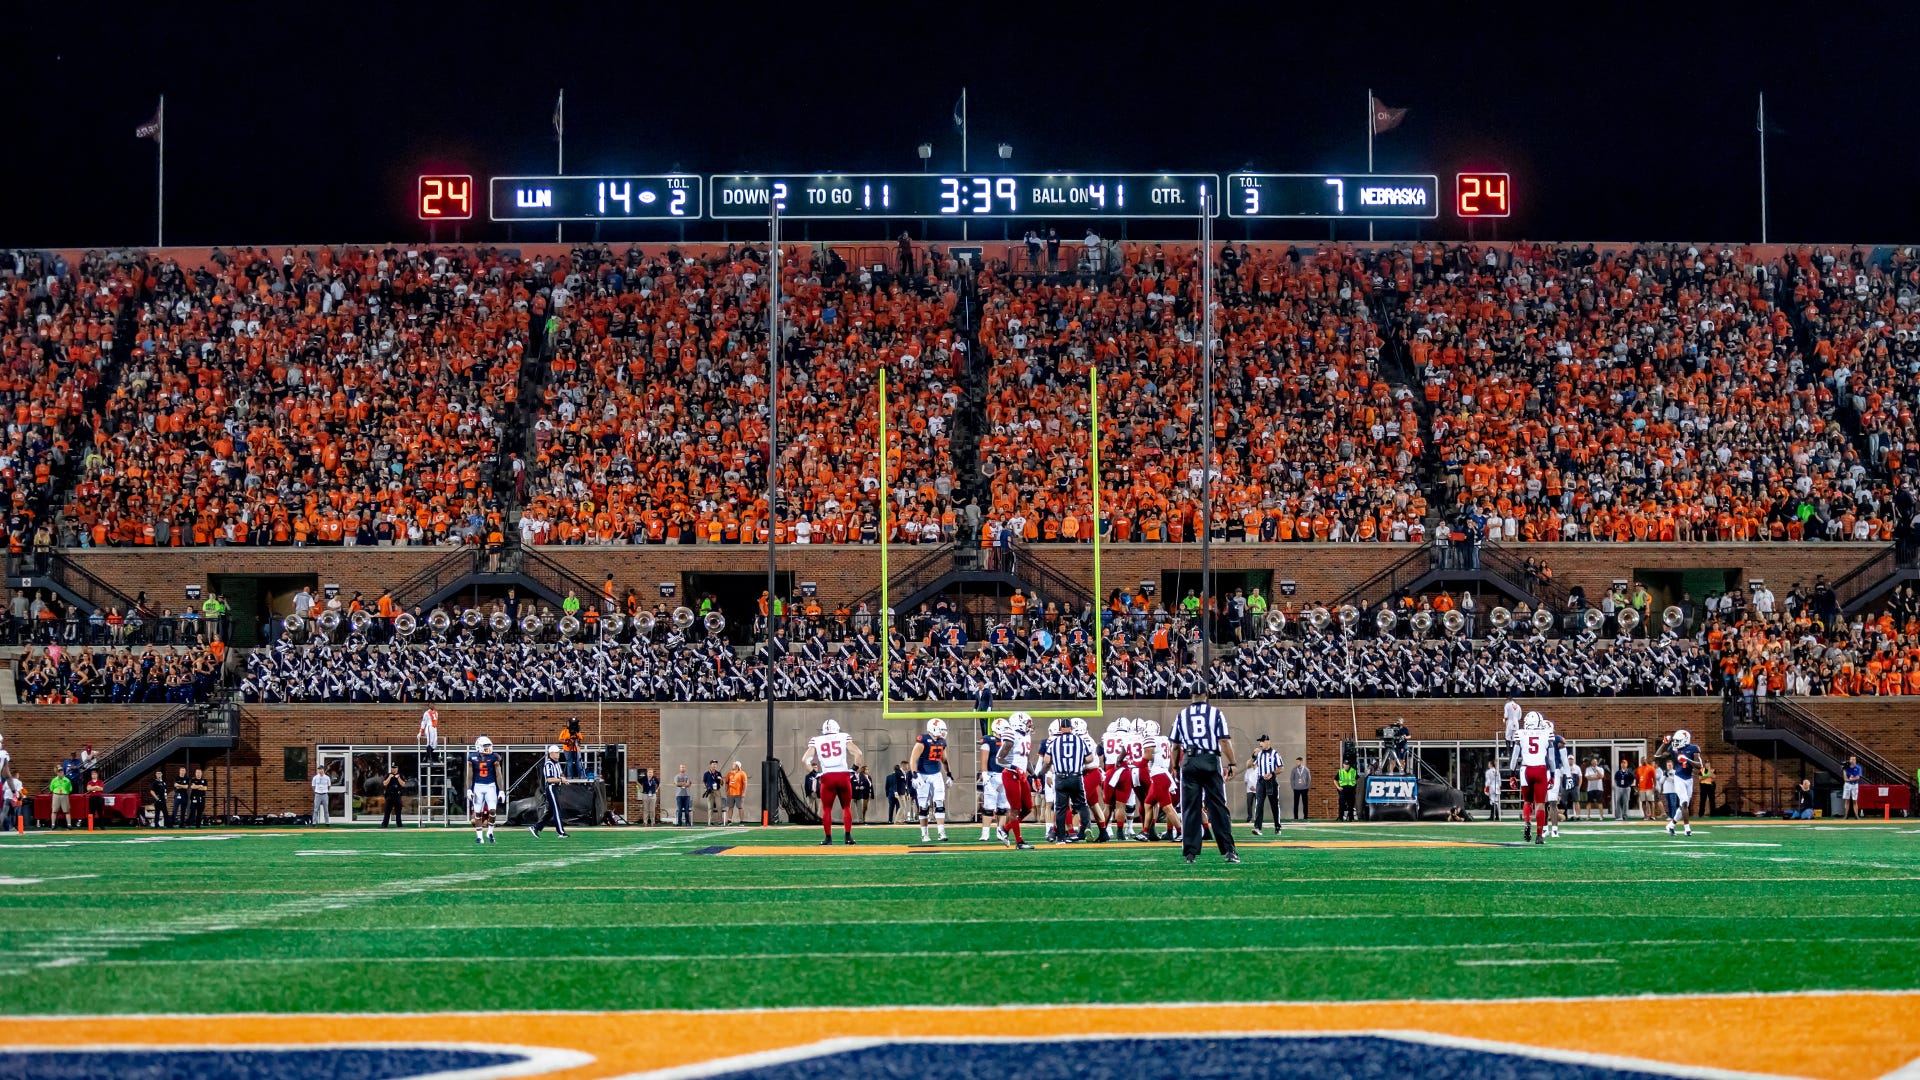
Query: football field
point(362, 921)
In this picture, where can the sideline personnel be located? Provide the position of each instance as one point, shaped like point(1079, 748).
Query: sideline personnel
point(1200, 738)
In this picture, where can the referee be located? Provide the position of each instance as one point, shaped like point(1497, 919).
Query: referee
point(1266, 765)
point(1065, 752)
point(553, 773)
point(1199, 738)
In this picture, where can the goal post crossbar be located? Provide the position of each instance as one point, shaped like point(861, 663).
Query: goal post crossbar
point(886, 604)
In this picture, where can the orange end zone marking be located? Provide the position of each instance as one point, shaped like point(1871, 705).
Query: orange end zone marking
point(1838, 1036)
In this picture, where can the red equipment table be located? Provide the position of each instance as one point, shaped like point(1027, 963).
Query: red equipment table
point(1885, 797)
point(122, 809)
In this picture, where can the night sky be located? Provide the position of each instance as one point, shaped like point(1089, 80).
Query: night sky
point(308, 122)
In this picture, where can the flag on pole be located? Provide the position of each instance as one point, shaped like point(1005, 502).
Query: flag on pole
point(1386, 119)
point(960, 112)
point(560, 116)
point(152, 128)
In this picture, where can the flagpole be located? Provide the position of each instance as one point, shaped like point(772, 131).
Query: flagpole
point(963, 149)
point(1763, 166)
point(1369, 149)
point(560, 164)
point(160, 223)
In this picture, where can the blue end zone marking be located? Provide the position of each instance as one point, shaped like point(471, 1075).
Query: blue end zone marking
point(711, 850)
point(1343, 1057)
point(319, 1063)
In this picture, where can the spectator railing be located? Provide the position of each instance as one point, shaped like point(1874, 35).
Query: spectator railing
point(443, 571)
point(929, 566)
point(52, 570)
point(1395, 574)
point(1782, 714)
point(537, 567)
point(1056, 586)
point(1865, 576)
point(203, 723)
point(1546, 592)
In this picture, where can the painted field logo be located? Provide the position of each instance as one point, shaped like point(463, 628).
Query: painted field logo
point(1393, 789)
point(343, 1062)
point(1197, 1057)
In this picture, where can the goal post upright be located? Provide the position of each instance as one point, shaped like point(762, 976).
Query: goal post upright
point(886, 596)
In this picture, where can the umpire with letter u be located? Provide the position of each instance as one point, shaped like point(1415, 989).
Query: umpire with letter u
point(1200, 739)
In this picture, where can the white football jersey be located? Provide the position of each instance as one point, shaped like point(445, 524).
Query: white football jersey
point(1534, 746)
point(831, 752)
point(1136, 748)
point(1114, 747)
point(1162, 757)
point(1019, 750)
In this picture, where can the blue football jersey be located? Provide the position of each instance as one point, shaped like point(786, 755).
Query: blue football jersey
point(1684, 760)
point(933, 755)
point(483, 768)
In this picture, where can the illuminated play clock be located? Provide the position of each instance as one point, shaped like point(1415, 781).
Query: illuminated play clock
point(445, 197)
point(1482, 195)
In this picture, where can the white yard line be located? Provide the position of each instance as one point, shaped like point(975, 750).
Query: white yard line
point(88, 946)
point(988, 954)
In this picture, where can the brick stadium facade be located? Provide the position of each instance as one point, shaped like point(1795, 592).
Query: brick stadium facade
point(40, 737)
point(1322, 571)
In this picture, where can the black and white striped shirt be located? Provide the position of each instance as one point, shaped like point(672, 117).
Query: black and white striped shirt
point(1268, 764)
point(551, 770)
point(1199, 728)
point(1068, 752)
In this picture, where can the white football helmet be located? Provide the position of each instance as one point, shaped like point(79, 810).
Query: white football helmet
point(1121, 725)
point(830, 726)
point(1078, 725)
point(482, 744)
point(1020, 722)
point(1058, 727)
point(1682, 738)
point(937, 728)
point(1511, 712)
point(553, 751)
point(998, 728)
point(1534, 720)
point(1150, 728)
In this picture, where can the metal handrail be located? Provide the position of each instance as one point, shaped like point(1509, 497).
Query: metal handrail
point(455, 564)
point(1865, 576)
point(1795, 719)
point(1390, 574)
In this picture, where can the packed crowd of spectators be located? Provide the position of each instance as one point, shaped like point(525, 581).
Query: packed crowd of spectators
point(1802, 646)
point(1551, 392)
point(58, 675)
point(652, 421)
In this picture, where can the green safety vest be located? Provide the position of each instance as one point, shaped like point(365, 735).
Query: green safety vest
point(60, 785)
point(1346, 777)
point(1191, 605)
point(1257, 604)
point(571, 605)
point(210, 607)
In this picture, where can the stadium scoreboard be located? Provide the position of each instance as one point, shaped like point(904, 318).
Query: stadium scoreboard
point(1340, 196)
point(670, 197)
point(827, 196)
point(963, 196)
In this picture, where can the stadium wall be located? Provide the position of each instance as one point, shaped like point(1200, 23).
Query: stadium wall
point(663, 736)
point(1321, 571)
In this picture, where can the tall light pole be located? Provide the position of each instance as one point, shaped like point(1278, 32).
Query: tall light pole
point(1206, 441)
point(770, 768)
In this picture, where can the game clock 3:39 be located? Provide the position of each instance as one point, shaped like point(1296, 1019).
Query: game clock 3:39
point(825, 196)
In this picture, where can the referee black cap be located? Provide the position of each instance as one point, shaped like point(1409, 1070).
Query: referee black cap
point(1263, 738)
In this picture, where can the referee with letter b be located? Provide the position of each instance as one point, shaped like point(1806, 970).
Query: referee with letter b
point(1200, 739)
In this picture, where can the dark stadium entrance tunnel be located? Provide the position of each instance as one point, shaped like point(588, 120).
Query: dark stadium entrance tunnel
point(256, 599)
point(737, 596)
point(1174, 584)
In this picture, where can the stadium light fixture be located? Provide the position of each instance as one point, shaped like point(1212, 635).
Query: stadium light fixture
point(1006, 151)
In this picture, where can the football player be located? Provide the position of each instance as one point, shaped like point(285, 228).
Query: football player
point(1533, 759)
point(1116, 759)
point(1686, 760)
point(1159, 800)
point(1016, 757)
point(930, 775)
point(993, 790)
point(838, 757)
point(1093, 781)
point(1510, 715)
point(483, 788)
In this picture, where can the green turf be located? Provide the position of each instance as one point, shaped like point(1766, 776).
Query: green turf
point(422, 920)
